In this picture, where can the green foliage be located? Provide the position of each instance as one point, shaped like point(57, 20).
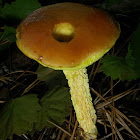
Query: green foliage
point(9, 33)
point(128, 68)
point(55, 106)
point(109, 3)
point(18, 116)
point(24, 114)
point(18, 10)
point(51, 77)
point(117, 68)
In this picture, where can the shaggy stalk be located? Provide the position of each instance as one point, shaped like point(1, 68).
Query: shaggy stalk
point(82, 101)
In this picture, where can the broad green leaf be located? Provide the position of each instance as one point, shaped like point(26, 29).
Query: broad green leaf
point(117, 68)
point(9, 34)
point(51, 77)
point(128, 68)
point(55, 106)
point(18, 10)
point(18, 116)
point(109, 3)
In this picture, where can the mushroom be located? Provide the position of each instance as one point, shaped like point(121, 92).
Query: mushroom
point(70, 37)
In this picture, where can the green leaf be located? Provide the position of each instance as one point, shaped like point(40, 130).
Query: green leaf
point(51, 77)
point(128, 68)
point(9, 33)
point(117, 68)
point(109, 3)
point(18, 116)
point(55, 106)
point(18, 10)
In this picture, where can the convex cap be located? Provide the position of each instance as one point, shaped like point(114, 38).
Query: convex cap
point(67, 35)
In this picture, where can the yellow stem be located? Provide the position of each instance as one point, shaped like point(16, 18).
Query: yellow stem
point(82, 101)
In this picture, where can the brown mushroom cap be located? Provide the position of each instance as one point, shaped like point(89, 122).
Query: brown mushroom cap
point(89, 34)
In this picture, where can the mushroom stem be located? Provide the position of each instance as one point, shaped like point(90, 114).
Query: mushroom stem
point(82, 101)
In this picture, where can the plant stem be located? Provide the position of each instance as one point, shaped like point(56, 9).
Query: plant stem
point(82, 101)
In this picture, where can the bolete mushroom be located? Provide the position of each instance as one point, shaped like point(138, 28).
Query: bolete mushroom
point(70, 37)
